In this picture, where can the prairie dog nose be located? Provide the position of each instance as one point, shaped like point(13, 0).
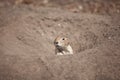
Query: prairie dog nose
point(56, 42)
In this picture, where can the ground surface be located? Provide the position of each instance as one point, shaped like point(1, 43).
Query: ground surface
point(27, 51)
point(86, 6)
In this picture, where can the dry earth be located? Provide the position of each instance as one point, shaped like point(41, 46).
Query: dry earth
point(86, 6)
point(27, 50)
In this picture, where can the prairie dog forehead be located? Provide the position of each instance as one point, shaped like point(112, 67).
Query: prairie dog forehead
point(59, 38)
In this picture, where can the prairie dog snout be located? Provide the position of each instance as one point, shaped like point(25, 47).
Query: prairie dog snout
point(62, 46)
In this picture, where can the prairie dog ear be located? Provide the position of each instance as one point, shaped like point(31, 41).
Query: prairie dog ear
point(67, 41)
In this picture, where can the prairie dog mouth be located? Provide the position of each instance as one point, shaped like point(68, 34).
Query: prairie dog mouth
point(58, 46)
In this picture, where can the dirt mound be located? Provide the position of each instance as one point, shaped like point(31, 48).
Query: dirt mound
point(27, 50)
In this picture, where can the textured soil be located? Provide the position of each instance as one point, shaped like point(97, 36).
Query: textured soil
point(27, 51)
point(86, 6)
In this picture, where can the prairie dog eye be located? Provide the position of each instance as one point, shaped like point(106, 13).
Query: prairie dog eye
point(63, 39)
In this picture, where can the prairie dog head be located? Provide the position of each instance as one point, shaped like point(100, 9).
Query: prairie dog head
point(61, 41)
point(62, 45)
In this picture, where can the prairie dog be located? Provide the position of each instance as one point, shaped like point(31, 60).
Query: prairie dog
point(62, 46)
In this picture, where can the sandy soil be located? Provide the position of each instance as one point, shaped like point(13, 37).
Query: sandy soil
point(27, 51)
point(86, 6)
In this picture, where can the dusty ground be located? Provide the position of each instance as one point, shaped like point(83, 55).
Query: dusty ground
point(27, 51)
point(86, 6)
